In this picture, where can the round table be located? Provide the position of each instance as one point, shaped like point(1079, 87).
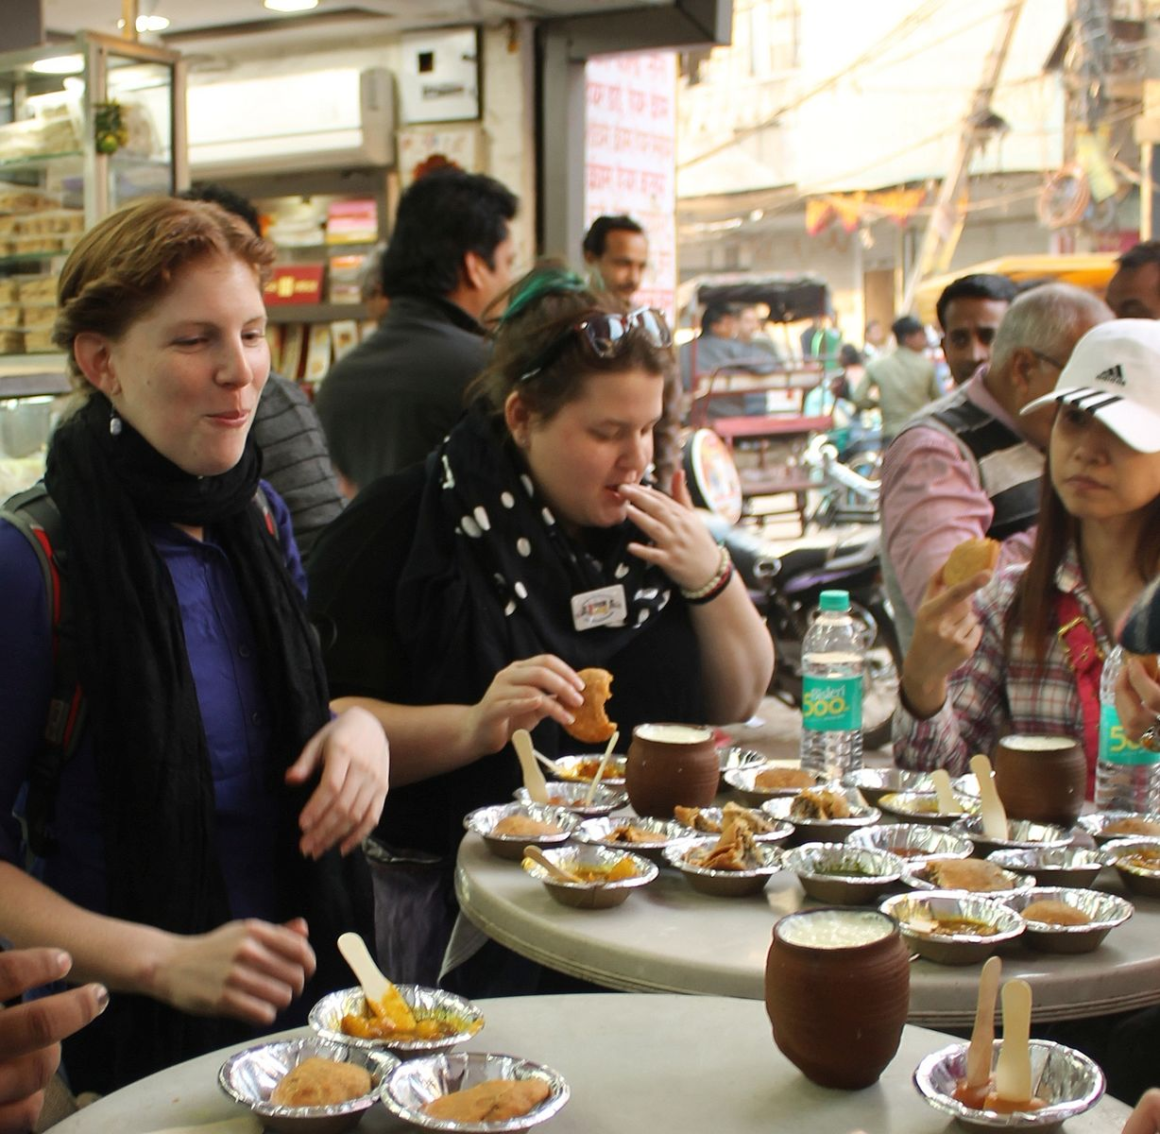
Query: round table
point(681, 1064)
point(667, 938)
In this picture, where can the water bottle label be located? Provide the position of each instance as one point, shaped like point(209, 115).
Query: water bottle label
point(831, 704)
point(1115, 747)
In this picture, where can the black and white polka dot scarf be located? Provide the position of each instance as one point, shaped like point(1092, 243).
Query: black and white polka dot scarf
point(491, 574)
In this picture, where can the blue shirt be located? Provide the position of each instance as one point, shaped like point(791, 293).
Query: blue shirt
point(235, 714)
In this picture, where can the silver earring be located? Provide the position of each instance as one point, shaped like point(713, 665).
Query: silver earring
point(115, 424)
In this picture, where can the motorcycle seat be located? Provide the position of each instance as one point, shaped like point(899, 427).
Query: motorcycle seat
point(807, 557)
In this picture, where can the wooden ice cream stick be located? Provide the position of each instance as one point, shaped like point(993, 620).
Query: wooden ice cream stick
point(533, 778)
point(1013, 1070)
point(990, 805)
point(983, 1036)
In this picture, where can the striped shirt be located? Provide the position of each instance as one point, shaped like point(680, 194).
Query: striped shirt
point(998, 691)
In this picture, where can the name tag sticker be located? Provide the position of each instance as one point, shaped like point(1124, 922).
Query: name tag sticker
point(605, 606)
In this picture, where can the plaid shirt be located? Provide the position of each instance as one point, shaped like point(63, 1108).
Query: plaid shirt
point(994, 694)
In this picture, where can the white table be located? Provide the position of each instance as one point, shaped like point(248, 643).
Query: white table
point(667, 938)
point(678, 1064)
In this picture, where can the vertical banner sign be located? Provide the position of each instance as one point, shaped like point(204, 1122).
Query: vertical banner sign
point(631, 157)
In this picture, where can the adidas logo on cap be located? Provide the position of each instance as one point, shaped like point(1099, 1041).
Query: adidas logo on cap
point(1114, 375)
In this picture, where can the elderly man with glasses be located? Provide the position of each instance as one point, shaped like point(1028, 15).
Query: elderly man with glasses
point(968, 465)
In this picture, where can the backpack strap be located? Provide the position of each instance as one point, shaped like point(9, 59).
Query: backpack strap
point(35, 515)
point(1086, 660)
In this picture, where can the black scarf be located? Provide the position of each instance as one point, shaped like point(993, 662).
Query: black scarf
point(149, 744)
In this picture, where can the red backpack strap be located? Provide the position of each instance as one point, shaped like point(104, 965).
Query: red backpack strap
point(1086, 659)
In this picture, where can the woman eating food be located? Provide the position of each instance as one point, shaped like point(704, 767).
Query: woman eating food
point(1022, 651)
point(460, 598)
point(180, 845)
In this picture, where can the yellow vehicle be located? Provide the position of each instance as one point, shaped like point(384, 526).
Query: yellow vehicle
point(1091, 270)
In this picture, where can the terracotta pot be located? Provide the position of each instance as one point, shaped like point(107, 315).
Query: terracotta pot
point(1041, 778)
point(670, 765)
point(838, 1009)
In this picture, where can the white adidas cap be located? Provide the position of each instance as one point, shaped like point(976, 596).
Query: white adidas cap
point(1114, 374)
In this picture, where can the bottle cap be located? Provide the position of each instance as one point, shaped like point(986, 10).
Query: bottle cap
point(834, 600)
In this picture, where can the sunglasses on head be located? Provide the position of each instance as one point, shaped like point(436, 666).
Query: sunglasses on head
point(604, 335)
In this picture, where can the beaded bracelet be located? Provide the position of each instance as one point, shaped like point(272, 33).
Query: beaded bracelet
point(715, 585)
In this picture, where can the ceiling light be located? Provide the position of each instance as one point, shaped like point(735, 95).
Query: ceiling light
point(59, 65)
point(290, 5)
point(148, 23)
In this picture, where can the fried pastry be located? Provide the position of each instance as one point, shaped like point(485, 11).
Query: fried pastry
point(321, 1082)
point(734, 850)
point(775, 779)
point(969, 558)
point(525, 826)
point(1055, 913)
point(1133, 825)
point(972, 874)
point(1151, 664)
point(819, 804)
point(497, 1100)
point(591, 724)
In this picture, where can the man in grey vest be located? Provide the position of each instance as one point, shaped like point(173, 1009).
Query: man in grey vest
point(968, 465)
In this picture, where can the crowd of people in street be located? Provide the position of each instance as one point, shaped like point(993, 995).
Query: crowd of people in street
point(253, 614)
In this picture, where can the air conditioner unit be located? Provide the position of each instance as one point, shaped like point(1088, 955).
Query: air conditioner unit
point(340, 117)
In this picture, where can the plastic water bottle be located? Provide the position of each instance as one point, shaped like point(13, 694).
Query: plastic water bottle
point(832, 663)
point(1127, 775)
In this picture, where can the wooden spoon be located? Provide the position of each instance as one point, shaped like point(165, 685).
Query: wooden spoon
point(383, 998)
point(1013, 1070)
point(558, 872)
point(947, 804)
point(983, 1037)
point(990, 805)
point(591, 795)
point(533, 778)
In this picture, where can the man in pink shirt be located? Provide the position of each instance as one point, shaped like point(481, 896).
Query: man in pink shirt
point(969, 465)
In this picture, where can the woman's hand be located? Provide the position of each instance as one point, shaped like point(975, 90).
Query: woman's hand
point(354, 761)
point(249, 970)
point(520, 696)
point(1137, 699)
point(682, 545)
point(946, 634)
point(1145, 1119)
point(30, 1034)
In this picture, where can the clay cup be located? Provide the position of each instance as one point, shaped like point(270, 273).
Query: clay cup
point(1041, 778)
point(670, 765)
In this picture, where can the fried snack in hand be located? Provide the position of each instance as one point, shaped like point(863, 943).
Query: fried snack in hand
point(969, 558)
point(321, 1082)
point(591, 725)
point(1151, 664)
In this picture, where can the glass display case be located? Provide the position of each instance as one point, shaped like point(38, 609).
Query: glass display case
point(84, 127)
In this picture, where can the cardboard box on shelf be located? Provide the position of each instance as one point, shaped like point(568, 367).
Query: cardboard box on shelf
point(318, 353)
point(294, 283)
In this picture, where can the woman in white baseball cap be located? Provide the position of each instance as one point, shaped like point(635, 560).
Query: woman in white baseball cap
point(1025, 653)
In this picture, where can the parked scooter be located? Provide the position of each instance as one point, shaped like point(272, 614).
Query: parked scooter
point(786, 586)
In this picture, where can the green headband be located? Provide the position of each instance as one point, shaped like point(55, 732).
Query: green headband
point(548, 281)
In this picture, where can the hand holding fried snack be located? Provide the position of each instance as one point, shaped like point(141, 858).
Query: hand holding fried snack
point(968, 559)
point(591, 724)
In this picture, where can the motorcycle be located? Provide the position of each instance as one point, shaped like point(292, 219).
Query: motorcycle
point(786, 585)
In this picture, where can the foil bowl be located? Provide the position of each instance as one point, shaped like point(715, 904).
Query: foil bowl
point(744, 782)
point(1053, 866)
point(723, 883)
point(923, 877)
point(874, 783)
point(591, 895)
point(574, 797)
point(420, 1081)
point(923, 807)
point(823, 830)
point(1067, 1081)
point(250, 1076)
point(1097, 825)
point(966, 784)
point(1139, 877)
point(582, 769)
point(483, 821)
point(842, 875)
point(1104, 911)
point(427, 1003)
point(1022, 834)
point(733, 757)
point(916, 843)
point(918, 917)
point(780, 832)
point(651, 835)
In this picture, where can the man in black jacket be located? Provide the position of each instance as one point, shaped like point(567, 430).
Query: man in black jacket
point(391, 400)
